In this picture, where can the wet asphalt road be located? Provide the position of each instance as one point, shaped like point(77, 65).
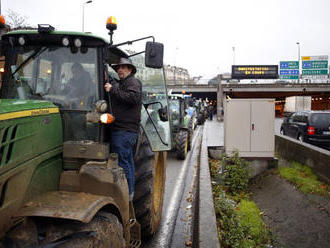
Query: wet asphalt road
point(176, 225)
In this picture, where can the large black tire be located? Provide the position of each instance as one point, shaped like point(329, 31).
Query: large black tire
point(201, 119)
point(103, 231)
point(182, 144)
point(150, 173)
point(190, 133)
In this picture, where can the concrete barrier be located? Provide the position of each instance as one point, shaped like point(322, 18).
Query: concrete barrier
point(317, 159)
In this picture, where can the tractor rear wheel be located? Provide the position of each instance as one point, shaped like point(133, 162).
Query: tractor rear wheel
point(150, 173)
point(108, 232)
point(182, 144)
point(103, 231)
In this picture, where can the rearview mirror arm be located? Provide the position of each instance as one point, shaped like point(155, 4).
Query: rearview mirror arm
point(132, 41)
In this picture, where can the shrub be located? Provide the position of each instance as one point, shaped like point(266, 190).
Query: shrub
point(236, 173)
point(231, 232)
point(239, 225)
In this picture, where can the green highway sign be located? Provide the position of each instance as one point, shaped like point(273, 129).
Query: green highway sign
point(288, 77)
point(314, 72)
point(289, 65)
point(315, 64)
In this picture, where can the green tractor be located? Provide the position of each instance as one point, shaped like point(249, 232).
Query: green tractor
point(60, 183)
point(182, 125)
point(201, 112)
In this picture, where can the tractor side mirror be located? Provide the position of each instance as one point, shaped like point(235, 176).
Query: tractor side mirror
point(154, 55)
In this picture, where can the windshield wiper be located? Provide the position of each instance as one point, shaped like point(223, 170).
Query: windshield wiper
point(32, 56)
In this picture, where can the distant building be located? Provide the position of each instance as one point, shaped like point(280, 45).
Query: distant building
point(173, 74)
point(176, 75)
point(142, 72)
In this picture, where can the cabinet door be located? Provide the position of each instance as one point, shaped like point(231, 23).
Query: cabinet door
point(237, 129)
point(262, 126)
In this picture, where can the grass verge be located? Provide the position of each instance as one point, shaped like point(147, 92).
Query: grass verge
point(239, 220)
point(303, 177)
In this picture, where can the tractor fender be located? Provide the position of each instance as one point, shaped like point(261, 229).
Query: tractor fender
point(78, 206)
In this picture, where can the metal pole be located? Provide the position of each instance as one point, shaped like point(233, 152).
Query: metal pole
point(298, 61)
point(233, 55)
point(83, 17)
point(83, 13)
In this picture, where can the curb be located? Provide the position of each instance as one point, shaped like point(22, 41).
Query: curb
point(207, 227)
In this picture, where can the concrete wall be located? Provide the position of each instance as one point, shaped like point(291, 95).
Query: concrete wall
point(316, 158)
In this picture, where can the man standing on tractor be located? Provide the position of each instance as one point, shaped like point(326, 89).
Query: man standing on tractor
point(126, 102)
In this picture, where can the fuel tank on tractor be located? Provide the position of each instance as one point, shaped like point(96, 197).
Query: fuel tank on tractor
point(30, 153)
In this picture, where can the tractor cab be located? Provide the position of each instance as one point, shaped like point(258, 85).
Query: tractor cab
point(68, 69)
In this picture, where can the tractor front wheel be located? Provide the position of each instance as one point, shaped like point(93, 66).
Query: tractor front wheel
point(182, 144)
point(150, 173)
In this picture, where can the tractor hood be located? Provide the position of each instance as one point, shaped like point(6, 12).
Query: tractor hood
point(12, 108)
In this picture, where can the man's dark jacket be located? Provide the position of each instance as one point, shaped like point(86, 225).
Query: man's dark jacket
point(126, 101)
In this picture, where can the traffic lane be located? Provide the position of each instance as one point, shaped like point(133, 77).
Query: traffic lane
point(185, 226)
point(176, 174)
point(173, 171)
point(277, 126)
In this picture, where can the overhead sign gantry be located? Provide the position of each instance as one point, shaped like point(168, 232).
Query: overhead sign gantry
point(254, 72)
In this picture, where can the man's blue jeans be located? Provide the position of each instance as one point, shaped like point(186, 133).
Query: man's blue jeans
point(123, 143)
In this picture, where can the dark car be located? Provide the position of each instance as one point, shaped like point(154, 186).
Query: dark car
point(308, 126)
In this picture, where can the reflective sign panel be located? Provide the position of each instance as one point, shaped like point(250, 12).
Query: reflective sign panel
point(254, 71)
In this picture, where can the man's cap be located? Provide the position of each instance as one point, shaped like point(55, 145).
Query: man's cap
point(124, 61)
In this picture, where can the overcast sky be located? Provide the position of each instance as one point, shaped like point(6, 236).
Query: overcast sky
point(198, 35)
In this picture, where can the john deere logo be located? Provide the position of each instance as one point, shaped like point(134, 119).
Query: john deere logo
point(39, 112)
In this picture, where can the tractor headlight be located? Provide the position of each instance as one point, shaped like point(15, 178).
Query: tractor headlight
point(77, 42)
point(65, 41)
point(21, 41)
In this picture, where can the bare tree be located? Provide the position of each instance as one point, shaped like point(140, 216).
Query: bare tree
point(16, 20)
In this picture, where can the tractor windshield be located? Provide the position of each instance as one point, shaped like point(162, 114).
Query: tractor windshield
point(65, 76)
point(54, 73)
point(175, 111)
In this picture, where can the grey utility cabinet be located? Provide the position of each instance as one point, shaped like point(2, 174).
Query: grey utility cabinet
point(249, 127)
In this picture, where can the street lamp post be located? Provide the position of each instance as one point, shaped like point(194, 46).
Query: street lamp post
point(233, 55)
point(298, 44)
point(83, 13)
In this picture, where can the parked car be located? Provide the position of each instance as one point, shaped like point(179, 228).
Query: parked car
point(308, 126)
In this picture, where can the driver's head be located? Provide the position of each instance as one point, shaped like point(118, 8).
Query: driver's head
point(76, 69)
